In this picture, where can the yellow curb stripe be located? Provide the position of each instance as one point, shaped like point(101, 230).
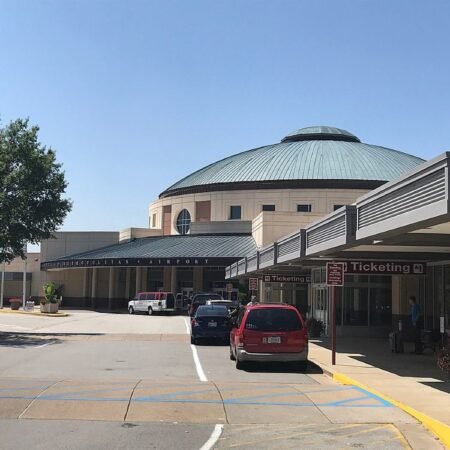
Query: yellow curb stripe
point(37, 313)
point(441, 430)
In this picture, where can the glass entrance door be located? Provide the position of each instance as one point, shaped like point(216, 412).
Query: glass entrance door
point(319, 304)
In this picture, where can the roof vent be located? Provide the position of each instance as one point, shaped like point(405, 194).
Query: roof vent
point(320, 133)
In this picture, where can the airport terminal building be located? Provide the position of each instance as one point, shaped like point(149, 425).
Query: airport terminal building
point(277, 213)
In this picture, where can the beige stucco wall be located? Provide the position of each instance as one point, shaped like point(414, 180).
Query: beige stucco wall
point(136, 233)
point(269, 226)
point(68, 243)
point(14, 288)
point(251, 201)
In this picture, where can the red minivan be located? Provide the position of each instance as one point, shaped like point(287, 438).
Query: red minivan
point(269, 332)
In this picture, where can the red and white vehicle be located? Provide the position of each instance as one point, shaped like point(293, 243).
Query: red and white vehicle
point(269, 332)
point(152, 302)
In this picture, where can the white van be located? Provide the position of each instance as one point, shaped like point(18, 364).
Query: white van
point(152, 302)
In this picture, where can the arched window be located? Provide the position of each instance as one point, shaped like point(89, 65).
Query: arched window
point(183, 222)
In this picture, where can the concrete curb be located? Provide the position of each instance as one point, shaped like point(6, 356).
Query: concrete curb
point(31, 313)
point(439, 429)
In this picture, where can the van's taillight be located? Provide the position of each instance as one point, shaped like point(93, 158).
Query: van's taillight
point(240, 341)
point(195, 323)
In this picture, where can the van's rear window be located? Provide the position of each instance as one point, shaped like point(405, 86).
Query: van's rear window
point(273, 319)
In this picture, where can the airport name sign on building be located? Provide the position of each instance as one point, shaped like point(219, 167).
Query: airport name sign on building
point(136, 262)
point(385, 268)
point(278, 278)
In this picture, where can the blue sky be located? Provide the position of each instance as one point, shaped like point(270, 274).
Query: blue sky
point(135, 95)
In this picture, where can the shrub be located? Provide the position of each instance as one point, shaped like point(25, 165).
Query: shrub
point(49, 293)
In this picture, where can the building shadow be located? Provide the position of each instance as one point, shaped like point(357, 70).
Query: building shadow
point(376, 352)
point(24, 340)
point(274, 367)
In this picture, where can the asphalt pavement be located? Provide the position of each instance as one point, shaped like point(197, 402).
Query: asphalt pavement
point(95, 383)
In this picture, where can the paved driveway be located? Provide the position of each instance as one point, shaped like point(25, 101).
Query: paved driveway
point(140, 387)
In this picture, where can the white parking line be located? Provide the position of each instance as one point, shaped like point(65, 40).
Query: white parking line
point(213, 438)
point(198, 366)
point(44, 345)
point(188, 328)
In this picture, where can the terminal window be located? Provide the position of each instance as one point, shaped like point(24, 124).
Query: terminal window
point(304, 208)
point(235, 212)
point(268, 207)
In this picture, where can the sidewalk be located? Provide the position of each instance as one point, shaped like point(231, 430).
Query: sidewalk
point(412, 380)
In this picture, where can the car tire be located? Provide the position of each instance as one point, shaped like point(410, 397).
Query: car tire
point(130, 310)
point(239, 364)
point(150, 311)
point(232, 357)
point(193, 340)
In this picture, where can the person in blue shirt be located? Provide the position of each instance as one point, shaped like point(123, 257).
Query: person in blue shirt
point(417, 322)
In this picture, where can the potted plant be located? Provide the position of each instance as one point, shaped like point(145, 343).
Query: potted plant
point(15, 303)
point(443, 361)
point(315, 327)
point(49, 303)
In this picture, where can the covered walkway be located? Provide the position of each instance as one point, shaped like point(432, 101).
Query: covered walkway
point(414, 381)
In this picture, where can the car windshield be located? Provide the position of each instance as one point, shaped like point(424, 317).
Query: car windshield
point(273, 319)
point(212, 311)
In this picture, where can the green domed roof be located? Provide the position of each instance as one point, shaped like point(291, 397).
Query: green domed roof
point(309, 157)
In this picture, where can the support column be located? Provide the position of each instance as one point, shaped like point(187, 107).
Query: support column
point(167, 276)
point(198, 279)
point(85, 286)
point(112, 274)
point(138, 280)
point(127, 283)
point(173, 281)
point(94, 287)
point(144, 279)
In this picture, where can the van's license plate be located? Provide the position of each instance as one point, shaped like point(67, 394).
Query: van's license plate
point(212, 324)
point(274, 340)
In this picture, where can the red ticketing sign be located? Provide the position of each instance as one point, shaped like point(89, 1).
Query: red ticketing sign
point(335, 274)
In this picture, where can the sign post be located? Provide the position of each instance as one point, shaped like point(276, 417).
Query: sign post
point(252, 286)
point(335, 277)
point(229, 288)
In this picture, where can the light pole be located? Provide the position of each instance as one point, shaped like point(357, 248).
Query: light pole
point(24, 281)
point(2, 286)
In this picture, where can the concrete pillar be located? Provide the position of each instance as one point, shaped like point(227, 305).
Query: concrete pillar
point(167, 276)
point(173, 280)
point(85, 283)
point(127, 282)
point(144, 279)
point(111, 280)
point(198, 279)
point(85, 286)
point(138, 280)
point(94, 286)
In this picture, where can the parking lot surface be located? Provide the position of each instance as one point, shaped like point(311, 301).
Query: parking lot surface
point(128, 385)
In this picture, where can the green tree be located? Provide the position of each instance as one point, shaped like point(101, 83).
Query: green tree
point(31, 188)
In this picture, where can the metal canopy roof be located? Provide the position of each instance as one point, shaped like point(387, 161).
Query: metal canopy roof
point(406, 219)
point(190, 250)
